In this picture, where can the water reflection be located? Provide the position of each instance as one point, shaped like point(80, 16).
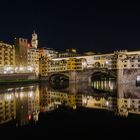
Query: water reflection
point(20, 104)
point(23, 104)
point(104, 85)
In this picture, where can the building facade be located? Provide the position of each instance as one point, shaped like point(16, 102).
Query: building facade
point(21, 46)
point(72, 64)
point(33, 60)
point(7, 58)
point(26, 55)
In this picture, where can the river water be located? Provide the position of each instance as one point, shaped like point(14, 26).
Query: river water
point(101, 106)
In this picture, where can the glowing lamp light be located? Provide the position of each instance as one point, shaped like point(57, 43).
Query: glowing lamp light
point(29, 68)
point(138, 78)
point(107, 62)
point(5, 72)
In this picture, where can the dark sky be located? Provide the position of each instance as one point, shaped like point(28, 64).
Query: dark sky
point(99, 26)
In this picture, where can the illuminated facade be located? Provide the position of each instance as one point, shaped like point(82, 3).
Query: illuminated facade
point(33, 60)
point(7, 58)
point(21, 46)
point(76, 64)
point(42, 52)
point(48, 66)
point(27, 56)
point(127, 60)
point(105, 61)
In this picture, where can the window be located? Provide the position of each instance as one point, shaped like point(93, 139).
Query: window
point(125, 65)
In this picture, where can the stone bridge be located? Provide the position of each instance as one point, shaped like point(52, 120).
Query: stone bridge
point(123, 76)
point(84, 76)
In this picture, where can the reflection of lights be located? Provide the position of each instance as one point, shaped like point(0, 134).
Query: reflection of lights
point(94, 84)
point(107, 103)
point(21, 94)
point(97, 86)
point(31, 94)
point(8, 97)
point(85, 100)
point(102, 85)
point(29, 117)
point(74, 107)
point(16, 94)
point(111, 87)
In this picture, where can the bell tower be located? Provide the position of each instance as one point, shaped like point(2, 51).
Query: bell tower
point(34, 41)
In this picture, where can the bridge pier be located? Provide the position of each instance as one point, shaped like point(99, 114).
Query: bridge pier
point(73, 77)
point(126, 76)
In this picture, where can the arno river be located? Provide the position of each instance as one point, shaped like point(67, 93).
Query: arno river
point(101, 106)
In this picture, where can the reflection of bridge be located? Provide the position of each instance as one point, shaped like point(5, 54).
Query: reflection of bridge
point(128, 100)
point(85, 75)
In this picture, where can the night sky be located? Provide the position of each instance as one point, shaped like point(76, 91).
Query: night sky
point(98, 26)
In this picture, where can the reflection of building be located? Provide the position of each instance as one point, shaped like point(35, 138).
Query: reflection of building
point(33, 102)
point(128, 105)
point(100, 102)
point(7, 58)
point(52, 99)
point(21, 106)
point(7, 107)
point(27, 104)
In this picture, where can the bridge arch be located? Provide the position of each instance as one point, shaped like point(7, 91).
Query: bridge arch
point(59, 76)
